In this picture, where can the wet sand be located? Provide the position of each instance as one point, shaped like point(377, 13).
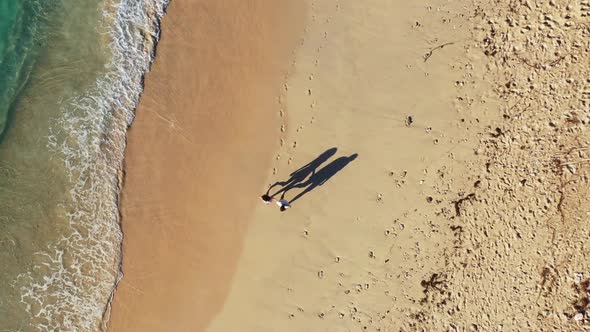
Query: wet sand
point(197, 151)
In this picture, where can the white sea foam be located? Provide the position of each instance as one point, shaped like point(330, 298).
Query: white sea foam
point(71, 283)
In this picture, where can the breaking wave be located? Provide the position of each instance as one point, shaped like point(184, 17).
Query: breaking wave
point(72, 281)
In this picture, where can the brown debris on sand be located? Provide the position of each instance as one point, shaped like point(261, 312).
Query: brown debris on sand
point(526, 233)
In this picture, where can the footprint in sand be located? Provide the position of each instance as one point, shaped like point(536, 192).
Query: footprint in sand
point(294, 144)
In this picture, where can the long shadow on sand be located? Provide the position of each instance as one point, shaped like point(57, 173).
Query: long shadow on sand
point(316, 178)
point(301, 174)
point(322, 175)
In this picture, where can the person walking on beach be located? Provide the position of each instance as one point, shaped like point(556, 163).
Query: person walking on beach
point(282, 203)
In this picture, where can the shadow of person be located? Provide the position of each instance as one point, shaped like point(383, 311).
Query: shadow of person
point(302, 173)
point(321, 176)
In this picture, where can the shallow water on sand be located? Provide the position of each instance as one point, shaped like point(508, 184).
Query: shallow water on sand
point(71, 78)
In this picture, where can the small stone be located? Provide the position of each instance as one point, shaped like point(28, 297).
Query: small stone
point(379, 198)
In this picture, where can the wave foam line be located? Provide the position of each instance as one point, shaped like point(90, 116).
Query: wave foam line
point(80, 271)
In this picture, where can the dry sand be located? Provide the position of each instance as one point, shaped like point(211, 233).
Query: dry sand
point(474, 217)
point(197, 150)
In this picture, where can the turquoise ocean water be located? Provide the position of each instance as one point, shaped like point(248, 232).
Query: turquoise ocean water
point(70, 78)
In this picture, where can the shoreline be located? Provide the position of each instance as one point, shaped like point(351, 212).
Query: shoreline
point(209, 96)
point(152, 45)
point(89, 64)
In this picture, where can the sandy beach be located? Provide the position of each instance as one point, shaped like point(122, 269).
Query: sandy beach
point(449, 218)
point(434, 152)
point(351, 254)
